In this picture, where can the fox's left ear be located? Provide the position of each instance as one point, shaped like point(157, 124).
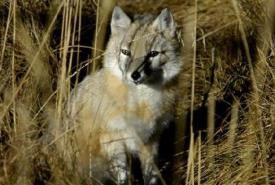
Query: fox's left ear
point(120, 21)
point(165, 22)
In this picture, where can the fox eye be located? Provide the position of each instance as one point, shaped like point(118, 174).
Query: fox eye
point(125, 52)
point(153, 53)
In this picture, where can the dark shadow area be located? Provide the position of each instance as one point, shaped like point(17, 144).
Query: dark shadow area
point(200, 117)
point(165, 158)
point(166, 152)
point(79, 60)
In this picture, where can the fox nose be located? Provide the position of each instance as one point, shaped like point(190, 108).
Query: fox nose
point(135, 75)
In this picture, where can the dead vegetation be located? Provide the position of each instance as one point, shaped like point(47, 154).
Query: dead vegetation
point(226, 115)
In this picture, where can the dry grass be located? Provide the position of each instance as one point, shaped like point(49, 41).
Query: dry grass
point(229, 55)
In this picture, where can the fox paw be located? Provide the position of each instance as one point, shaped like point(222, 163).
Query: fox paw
point(152, 181)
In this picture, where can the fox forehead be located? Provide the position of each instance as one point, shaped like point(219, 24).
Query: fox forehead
point(139, 38)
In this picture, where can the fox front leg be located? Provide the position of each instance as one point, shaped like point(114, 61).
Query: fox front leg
point(116, 155)
point(148, 156)
point(119, 168)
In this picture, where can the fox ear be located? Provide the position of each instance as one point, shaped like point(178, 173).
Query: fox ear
point(120, 21)
point(165, 22)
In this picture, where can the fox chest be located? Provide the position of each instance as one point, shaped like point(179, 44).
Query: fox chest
point(138, 102)
point(150, 109)
point(145, 106)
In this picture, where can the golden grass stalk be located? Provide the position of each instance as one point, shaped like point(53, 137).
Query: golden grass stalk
point(6, 35)
point(13, 63)
point(233, 125)
point(199, 159)
point(190, 164)
point(103, 12)
point(211, 129)
point(194, 61)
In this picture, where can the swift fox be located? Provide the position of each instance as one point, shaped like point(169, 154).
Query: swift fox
point(123, 108)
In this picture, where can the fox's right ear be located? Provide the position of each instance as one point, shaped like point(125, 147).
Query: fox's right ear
point(165, 22)
point(120, 21)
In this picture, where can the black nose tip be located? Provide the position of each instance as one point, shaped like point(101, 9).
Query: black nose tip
point(135, 75)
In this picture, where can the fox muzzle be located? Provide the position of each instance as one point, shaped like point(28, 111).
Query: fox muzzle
point(143, 70)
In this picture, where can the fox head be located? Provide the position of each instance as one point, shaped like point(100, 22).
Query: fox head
point(144, 50)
